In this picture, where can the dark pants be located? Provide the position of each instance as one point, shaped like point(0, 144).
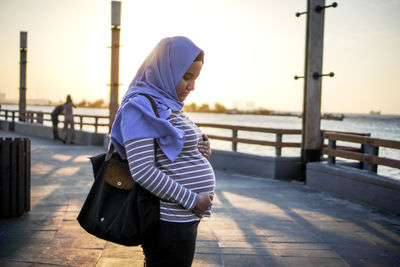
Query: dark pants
point(54, 120)
point(172, 244)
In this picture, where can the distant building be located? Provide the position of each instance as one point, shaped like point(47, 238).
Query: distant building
point(248, 106)
point(39, 102)
point(2, 97)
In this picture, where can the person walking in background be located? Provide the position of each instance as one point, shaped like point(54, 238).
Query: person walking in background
point(54, 119)
point(167, 155)
point(69, 130)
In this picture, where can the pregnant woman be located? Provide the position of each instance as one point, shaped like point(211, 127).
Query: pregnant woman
point(168, 154)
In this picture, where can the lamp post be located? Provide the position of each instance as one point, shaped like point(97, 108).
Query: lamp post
point(311, 134)
point(22, 75)
point(114, 81)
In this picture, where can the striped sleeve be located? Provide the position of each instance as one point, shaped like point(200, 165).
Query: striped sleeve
point(140, 156)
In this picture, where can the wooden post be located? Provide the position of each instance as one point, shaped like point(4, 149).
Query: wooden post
point(234, 136)
point(96, 122)
point(80, 122)
point(311, 134)
point(115, 34)
point(332, 145)
point(278, 148)
point(22, 75)
point(364, 148)
point(373, 151)
point(39, 117)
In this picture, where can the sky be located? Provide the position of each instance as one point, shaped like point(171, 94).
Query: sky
point(253, 49)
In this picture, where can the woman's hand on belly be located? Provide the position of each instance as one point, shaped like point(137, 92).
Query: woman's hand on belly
point(203, 204)
point(204, 147)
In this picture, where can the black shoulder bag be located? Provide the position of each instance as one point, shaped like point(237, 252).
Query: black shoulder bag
point(117, 209)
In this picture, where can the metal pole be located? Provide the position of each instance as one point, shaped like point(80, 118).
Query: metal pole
point(311, 134)
point(22, 75)
point(115, 36)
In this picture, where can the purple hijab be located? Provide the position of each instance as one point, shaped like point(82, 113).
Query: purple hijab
point(158, 77)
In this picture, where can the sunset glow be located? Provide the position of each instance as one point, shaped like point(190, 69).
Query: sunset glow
point(253, 49)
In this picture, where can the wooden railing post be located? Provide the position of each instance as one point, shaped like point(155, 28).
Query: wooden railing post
point(13, 116)
point(373, 151)
point(95, 124)
point(39, 117)
point(331, 145)
point(278, 148)
point(234, 136)
point(363, 165)
point(80, 122)
point(6, 114)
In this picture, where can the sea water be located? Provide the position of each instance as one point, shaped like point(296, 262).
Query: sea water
point(378, 126)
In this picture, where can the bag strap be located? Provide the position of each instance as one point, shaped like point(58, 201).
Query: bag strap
point(154, 106)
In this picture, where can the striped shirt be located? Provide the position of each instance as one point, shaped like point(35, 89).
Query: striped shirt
point(176, 183)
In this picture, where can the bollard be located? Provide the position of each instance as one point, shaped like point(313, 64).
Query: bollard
point(15, 176)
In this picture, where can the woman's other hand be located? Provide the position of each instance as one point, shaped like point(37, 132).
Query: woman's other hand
point(203, 204)
point(204, 147)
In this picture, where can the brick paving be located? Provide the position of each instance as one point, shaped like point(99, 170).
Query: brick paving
point(256, 221)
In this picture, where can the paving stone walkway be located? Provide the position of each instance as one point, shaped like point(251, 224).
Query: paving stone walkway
point(256, 221)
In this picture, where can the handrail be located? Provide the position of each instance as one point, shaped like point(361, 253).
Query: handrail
point(362, 140)
point(250, 129)
point(38, 116)
point(278, 144)
point(367, 154)
point(371, 150)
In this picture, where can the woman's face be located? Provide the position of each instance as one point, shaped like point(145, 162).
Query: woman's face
point(186, 84)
